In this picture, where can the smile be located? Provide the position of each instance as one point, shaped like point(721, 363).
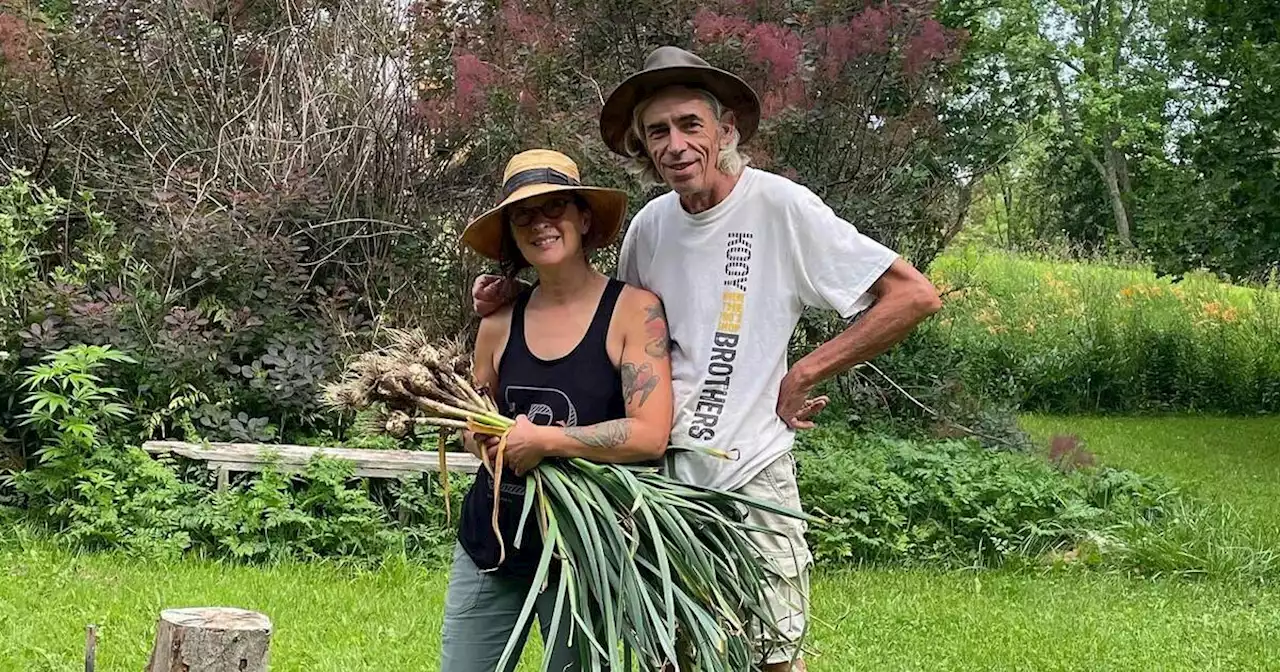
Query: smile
point(544, 242)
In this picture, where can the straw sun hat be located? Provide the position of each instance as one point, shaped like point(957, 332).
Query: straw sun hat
point(543, 171)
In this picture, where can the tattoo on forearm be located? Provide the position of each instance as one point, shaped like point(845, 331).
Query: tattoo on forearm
point(655, 328)
point(638, 381)
point(609, 434)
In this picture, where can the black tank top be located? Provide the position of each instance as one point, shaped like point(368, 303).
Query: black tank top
point(578, 389)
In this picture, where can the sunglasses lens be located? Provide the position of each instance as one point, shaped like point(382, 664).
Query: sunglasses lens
point(554, 207)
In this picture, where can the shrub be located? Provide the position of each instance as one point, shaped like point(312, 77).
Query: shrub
point(226, 356)
point(1070, 338)
point(271, 517)
point(1021, 334)
point(954, 502)
point(94, 494)
point(916, 390)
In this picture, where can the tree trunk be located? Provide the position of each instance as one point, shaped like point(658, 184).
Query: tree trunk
point(1111, 172)
point(1107, 168)
point(1006, 196)
point(211, 639)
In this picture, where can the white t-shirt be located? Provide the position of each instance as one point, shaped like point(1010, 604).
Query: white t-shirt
point(734, 280)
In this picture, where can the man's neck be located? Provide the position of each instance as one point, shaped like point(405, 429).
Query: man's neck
point(717, 190)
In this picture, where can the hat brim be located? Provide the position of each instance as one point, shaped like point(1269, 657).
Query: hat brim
point(734, 93)
point(608, 211)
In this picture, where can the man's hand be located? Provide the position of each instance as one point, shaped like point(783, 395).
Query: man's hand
point(794, 405)
point(525, 447)
point(489, 293)
point(904, 299)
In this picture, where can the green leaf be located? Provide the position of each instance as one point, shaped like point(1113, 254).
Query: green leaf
point(540, 578)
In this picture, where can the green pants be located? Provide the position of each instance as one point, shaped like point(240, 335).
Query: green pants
point(480, 612)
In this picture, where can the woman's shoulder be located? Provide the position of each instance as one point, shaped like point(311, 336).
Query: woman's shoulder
point(495, 325)
point(636, 298)
point(640, 308)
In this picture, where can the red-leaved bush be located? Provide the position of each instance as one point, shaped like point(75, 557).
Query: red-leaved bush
point(19, 45)
point(473, 78)
point(848, 92)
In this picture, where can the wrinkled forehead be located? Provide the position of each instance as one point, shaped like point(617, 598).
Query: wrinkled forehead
point(675, 104)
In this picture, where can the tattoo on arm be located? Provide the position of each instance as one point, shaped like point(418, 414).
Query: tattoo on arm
point(655, 329)
point(609, 434)
point(638, 381)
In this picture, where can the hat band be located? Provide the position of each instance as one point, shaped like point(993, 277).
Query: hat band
point(525, 178)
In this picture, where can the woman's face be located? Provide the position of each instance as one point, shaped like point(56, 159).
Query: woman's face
point(549, 229)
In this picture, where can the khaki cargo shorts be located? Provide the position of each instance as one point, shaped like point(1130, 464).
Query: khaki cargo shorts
point(787, 554)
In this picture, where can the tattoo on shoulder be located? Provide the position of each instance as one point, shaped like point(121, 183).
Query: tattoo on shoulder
point(609, 434)
point(655, 329)
point(638, 381)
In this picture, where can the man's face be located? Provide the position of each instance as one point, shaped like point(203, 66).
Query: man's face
point(684, 139)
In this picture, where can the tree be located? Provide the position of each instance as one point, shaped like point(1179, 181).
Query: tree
point(1230, 222)
point(1106, 62)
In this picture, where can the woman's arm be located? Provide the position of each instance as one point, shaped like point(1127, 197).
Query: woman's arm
point(645, 365)
point(489, 337)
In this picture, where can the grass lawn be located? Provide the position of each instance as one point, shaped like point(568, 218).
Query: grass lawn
point(330, 618)
point(1231, 461)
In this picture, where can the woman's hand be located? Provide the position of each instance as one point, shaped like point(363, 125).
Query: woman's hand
point(478, 444)
point(527, 445)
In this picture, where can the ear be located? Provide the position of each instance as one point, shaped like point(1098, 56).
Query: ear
point(586, 222)
point(727, 123)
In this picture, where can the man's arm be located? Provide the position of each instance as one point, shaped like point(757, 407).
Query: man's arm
point(904, 299)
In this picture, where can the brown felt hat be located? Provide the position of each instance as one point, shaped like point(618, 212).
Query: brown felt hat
point(543, 171)
point(673, 66)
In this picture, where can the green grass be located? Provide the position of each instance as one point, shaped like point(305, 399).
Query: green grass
point(1231, 461)
point(330, 618)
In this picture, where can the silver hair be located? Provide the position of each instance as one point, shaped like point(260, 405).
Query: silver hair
point(730, 160)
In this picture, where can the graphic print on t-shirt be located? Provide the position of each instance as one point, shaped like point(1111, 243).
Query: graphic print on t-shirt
point(724, 349)
point(545, 405)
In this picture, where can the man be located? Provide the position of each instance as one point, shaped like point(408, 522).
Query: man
point(735, 254)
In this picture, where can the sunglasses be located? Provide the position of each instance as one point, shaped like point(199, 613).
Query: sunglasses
point(552, 208)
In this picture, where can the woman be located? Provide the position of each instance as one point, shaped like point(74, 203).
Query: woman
point(580, 360)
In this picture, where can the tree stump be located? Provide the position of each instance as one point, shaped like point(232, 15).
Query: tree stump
point(211, 639)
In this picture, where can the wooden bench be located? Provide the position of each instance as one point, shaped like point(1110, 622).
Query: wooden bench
point(224, 458)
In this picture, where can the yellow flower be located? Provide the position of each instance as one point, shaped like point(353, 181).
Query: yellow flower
point(1030, 327)
point(1229, 315)
point(1127, 292)
point(1212, 308)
